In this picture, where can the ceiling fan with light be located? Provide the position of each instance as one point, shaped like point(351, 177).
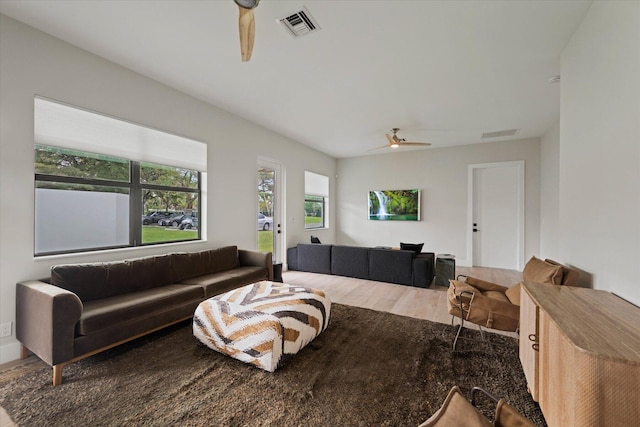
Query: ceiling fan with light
point(395, 142)
point(247, 27)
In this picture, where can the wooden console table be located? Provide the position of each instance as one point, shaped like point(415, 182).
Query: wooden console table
point(580, 351)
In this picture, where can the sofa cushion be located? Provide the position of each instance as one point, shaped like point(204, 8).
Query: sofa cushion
point(350, 261)
point(102, 280)
point(393, 266)
point(498, 296)
point(314, 258)
point(538, 271)
point(185, 265)
point(105, 312)
point(223, 281)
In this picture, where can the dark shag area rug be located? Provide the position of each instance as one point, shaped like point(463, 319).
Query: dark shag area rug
point(368, 368)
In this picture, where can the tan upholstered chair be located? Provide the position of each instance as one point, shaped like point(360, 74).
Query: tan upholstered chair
point(456, 411)
point(494, 306)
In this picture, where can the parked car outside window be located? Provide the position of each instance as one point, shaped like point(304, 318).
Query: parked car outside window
point(154, 217)
point(264, 222)
point(172, 221)
point(189, 222)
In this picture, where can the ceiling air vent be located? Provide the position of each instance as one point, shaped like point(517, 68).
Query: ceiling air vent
point(299, 23)
point(499, 133)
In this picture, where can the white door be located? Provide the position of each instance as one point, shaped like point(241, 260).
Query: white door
point(497, 215)
point(270, 204)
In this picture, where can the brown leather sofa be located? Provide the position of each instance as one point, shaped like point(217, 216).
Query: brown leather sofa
point(83, 309)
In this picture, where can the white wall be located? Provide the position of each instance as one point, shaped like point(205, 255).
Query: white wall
point(550, 192)
point(600, 149)
point(442, 175)
point(33, 63)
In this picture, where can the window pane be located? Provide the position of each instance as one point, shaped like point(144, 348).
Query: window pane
point(76, 164)
point(169, 216)
point(266, 205)
point(168, 175)
point(78, 217)
point(314, 212)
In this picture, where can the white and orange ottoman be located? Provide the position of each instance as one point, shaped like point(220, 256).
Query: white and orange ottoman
point(264, 323)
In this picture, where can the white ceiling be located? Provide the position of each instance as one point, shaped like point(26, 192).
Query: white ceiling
point(442, 71)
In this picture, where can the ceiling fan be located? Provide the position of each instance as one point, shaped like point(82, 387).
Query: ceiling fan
point(247, 27)
point(395, 142)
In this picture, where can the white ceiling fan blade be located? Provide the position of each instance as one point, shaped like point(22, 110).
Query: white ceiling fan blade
point(247, 27)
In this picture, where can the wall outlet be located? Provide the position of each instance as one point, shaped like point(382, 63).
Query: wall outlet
point(5, 329)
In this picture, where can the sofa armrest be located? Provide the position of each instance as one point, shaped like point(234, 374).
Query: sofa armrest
point(292, 258)
point(260, 259)
point(423, 269)
point(46, 317)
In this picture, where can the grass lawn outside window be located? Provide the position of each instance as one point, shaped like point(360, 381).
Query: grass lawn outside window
point(265, 241)
point(313, 222)
point(155, 234)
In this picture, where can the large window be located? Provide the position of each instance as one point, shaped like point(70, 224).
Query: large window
point(316, 199)
point(89, 200)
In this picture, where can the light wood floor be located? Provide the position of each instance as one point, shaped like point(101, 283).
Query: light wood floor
point(429, 304)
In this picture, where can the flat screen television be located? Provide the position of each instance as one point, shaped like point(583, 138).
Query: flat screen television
point(394, 205)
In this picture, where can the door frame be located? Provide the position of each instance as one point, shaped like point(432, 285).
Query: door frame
point(519, 164)
point(280, 189)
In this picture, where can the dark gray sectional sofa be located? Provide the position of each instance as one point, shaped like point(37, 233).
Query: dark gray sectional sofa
point(380, 264)
point(83, 309)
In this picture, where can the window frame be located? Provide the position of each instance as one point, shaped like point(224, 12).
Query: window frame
point(317, 186)
point(135, 187)
point(324, 210)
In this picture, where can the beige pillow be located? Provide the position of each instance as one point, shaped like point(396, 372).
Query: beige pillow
point(538, 271)
point(464, 286)
point(569, 275)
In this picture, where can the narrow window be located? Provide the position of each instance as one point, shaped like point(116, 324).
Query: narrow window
point(316, 200)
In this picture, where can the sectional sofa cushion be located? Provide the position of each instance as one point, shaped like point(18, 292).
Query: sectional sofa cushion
point(350, 261)
point(394, 266)
point(185, 265)
point(315, 258)
point(105, 312)
point(103, 280)
point(223, 281)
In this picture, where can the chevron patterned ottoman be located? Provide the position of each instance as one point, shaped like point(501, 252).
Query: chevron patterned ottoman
point(264, 323)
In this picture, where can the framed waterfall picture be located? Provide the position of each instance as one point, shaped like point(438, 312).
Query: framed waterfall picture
point(394, 205)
